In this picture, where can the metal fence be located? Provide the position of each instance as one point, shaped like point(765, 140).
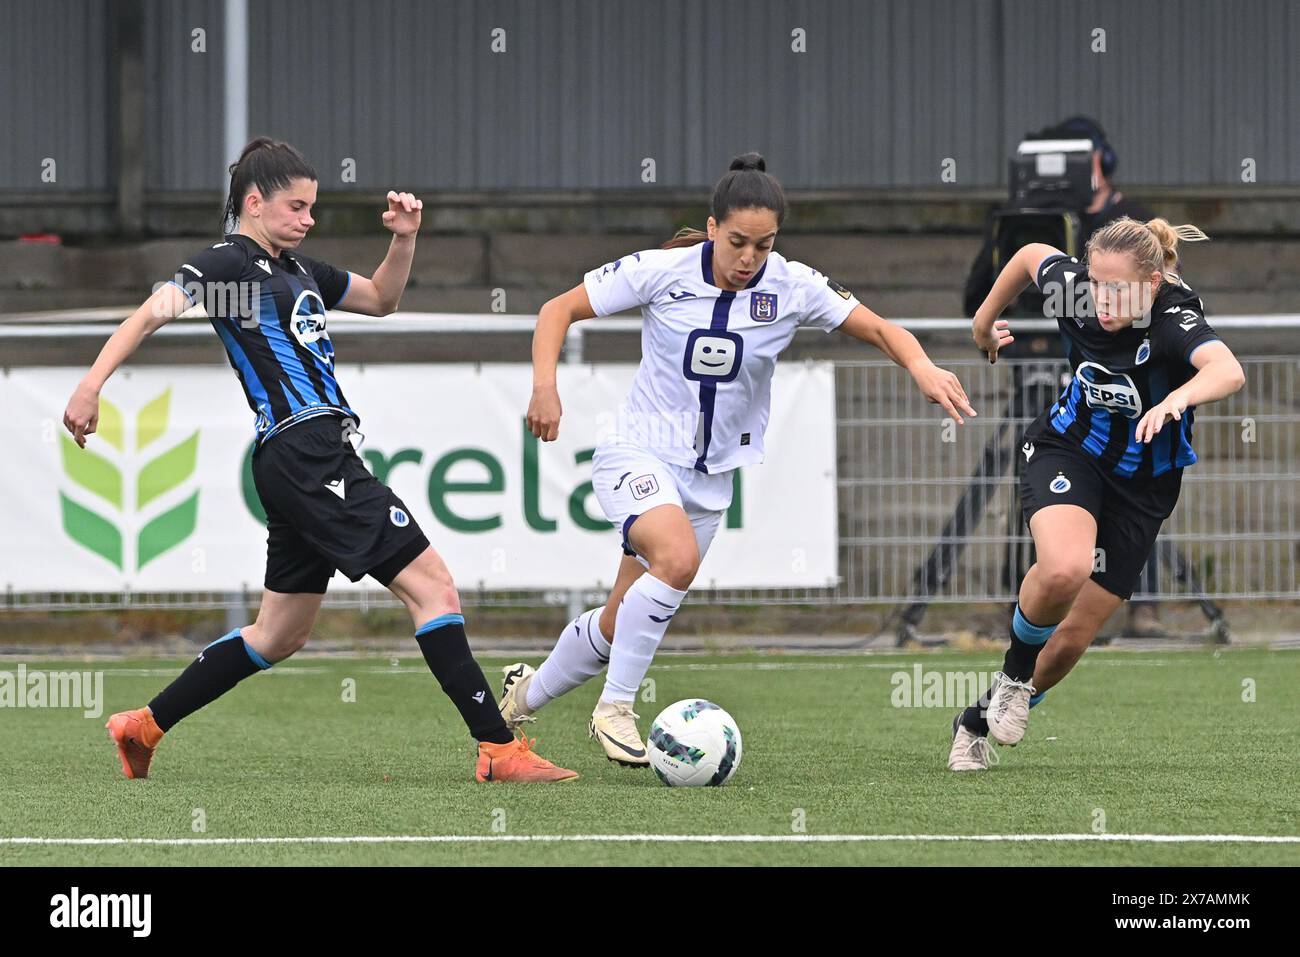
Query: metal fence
point(928, 510)
point(907, 485)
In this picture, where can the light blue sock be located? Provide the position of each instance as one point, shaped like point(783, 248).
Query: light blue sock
point(1027, 632)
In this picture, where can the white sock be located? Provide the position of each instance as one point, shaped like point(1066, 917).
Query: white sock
point(640, 626)
point(580, 653)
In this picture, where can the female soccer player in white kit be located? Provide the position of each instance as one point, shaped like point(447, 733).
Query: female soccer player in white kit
point(718, 309)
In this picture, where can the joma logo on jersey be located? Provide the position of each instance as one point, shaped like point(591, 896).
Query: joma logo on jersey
point(712, 355)
point(1109, 390)
point(762, 306)
point(610, 269)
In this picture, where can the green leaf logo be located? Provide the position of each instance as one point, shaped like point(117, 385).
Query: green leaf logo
point(86, 528)
point(167, 471)
point(103, 477)
point(110, 424)
point(152, 420)
point(168, 530)
point(92, 472)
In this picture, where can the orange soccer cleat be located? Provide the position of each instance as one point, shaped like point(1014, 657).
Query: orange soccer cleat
point(517, 761)
point(136, 734)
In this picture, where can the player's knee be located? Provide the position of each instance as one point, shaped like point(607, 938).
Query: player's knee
point(676, 566)
point(444, 591)
point(294, 643)
point(436, 589)
point(605, 621)
point(1061, 578)
point(280, 644)
point(1071, 640)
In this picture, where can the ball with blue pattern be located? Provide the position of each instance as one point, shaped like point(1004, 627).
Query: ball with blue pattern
point(694, 743)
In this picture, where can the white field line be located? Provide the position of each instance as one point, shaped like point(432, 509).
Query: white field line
point(668, 839)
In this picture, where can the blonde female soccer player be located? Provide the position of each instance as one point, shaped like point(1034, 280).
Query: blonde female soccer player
point(1104, 463)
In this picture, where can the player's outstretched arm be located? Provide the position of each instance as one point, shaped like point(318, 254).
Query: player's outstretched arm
point(938, 385)
point(990, 332)
point(1218, 375)
point(381, 293)
point(82, 414)
point(553, 321)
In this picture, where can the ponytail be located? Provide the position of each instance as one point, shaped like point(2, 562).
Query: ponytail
point(686, 236)
point(1168, 236)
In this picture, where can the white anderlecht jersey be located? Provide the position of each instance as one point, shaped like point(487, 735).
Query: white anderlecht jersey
point(702, 393)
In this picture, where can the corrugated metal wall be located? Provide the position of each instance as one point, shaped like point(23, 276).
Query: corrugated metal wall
point(54, 95)
point(587, 89)
point(183, 94)
point(1186, 90)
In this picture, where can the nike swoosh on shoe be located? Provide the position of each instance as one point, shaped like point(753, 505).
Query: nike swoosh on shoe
point(623, 747)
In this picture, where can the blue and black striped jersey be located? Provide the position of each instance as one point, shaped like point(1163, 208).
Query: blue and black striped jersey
point(270, 315)
point(1118, 376)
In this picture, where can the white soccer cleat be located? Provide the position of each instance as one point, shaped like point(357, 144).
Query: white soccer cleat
point(614, 726)
point(514, 695)
point(1008, 714)
point(970, 751)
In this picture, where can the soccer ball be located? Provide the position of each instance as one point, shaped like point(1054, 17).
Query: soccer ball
point(694, 743)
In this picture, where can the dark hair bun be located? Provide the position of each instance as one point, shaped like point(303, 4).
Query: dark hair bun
point(749, 161)
point(255, 144)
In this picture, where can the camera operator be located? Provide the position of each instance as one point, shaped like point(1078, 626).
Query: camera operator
point(1107, 204)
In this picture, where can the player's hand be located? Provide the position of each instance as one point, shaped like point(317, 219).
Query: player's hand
point(998, 337)
point(941, 386)
point(82, 414)
point(544, 413)
point(1172, 408)
point(403, 216)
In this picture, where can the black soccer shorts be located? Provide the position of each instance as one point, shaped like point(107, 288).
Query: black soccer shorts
point(1129, 512)
point(325, 511)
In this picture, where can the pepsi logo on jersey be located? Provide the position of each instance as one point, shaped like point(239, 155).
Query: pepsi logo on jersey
point(1110, 390)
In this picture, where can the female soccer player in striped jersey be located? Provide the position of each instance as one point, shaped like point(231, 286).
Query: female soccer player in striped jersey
point(719, 307)
point(325, 511)
point(1104, 463)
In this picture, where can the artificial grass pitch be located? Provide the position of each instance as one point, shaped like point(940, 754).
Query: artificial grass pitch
point(1133, 743)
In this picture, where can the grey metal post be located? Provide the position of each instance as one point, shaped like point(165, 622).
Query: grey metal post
point(128, 70)
point(235, 130)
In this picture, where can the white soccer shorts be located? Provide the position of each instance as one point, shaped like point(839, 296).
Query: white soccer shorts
point(630, 481)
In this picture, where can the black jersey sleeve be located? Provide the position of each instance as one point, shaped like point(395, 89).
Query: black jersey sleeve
point(1178, 330)
point(216, 264)
point(330, 280)
point(1060, 269)
point(209, 276)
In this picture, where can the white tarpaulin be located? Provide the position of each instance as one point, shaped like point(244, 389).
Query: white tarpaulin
point(161, 499)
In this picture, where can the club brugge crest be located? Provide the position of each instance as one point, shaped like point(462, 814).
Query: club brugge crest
point(762, 306)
